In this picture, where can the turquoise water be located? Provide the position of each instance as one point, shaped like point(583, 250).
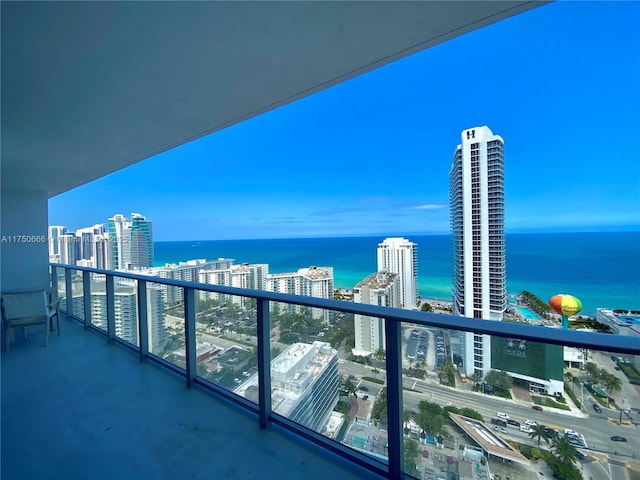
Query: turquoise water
point(528, 313)
point(601, 269)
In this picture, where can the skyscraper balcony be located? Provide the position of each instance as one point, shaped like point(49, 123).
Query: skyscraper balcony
point(108, 411)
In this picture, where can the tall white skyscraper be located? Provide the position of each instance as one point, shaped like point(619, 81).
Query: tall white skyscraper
point(400, 256)
point(383, 289)
point(476, 188)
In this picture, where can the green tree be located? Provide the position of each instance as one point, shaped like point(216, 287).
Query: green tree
point(380, 355)
point(592, 371)
point(411, 451)
point(426, 307)
point(539, 432)
point(611, 383)
point(565, 452)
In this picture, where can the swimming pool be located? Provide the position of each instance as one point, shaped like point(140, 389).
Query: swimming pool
point(528, 313)
point(630, 319)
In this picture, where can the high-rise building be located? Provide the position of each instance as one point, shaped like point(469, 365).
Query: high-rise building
point(311, 282)
point(476, 188)
point(141, 243)
point(188, 271)
point(400, 256)
point(126, 312)
point(383, 289)
point(131, 242)
point(223, 272)
point(54, 242)
point(304, 384)
point(119, 230)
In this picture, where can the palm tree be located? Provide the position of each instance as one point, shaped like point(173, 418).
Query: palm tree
point(611, 383)
point(539, 432)
point(592, 371)
point(565, 452)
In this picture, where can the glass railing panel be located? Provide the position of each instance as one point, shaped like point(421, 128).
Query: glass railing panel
point(226, 343)
point(160, 324)
point(172, 344)
point(62, 288)
point(318, 382)
point(77, 293)
point(125, 303)
point(534, 407)
point(98, 301)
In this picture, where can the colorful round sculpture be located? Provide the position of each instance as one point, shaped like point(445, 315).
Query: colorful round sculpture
point(565, 305)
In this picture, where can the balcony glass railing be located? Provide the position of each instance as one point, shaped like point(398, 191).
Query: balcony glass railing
point(406, 408)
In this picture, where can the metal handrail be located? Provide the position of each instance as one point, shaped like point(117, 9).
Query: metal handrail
point(393, 468)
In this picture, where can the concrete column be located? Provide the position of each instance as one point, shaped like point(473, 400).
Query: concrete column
point(24, 249)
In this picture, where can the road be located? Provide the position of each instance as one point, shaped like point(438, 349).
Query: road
point(596, 429)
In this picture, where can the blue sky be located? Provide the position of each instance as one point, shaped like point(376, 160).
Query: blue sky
point(372, 155)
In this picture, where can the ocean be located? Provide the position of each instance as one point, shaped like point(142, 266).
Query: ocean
point(601, 269)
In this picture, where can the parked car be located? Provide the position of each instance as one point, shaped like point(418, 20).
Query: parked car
point(597, 408)
point(580, 455)
point(363, 388)
point(618, 438)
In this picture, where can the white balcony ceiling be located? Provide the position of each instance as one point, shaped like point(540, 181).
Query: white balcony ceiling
point(90, 88)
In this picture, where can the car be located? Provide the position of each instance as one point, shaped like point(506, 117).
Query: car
point(580, 455)
point(363, 388)
point(500, 429)
point(525, 429)
point(552, 433)
point(597, 408)
point(531, 423)
point(498, 421)
point(513, 422)
point(537, 408)
point(503, 416)
point(366, 397)
point(618, 438)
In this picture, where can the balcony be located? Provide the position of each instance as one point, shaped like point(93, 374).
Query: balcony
point(105, 407)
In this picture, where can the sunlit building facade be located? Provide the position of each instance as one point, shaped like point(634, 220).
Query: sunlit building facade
point(478, 246)
point(400, 256)
point(383, 289)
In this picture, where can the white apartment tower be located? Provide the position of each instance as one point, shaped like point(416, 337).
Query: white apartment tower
point(476, 188)
point(311, 282)
point(383, 289)
point(400, 256)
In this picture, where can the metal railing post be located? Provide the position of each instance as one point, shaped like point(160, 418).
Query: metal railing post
point(86, 288)
point(264, 360)
point(69, 291)
point(143, 321)
point(394, 398)
point(190, 333)
point(111, 311)
point(53, 273)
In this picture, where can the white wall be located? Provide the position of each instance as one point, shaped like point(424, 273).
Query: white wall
point(24, 264)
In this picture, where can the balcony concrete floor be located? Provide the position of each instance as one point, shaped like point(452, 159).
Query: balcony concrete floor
point(84, 409)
